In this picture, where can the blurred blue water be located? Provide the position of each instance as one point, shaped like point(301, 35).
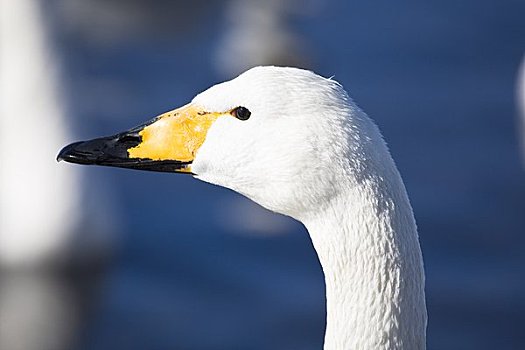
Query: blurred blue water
point(438, 77)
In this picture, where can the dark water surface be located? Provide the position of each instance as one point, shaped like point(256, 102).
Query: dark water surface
point(438, 77)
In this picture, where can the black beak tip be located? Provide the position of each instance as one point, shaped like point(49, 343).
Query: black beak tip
point(66, 152)
point(74, 153)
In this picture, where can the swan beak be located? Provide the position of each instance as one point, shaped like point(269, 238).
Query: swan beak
point(168, 143)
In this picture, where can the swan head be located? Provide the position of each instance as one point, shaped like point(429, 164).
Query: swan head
point(281, 136)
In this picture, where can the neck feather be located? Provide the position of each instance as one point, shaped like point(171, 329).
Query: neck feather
point(368, 246)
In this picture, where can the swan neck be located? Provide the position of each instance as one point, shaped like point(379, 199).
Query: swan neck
point(368, 247)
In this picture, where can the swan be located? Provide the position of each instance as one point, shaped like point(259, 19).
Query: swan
point(295, 143)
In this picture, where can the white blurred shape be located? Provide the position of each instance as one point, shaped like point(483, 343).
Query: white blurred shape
point(39, 199)
point(520, 96)
point(257, 33)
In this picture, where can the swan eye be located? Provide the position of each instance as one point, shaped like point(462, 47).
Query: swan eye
point(241, 113)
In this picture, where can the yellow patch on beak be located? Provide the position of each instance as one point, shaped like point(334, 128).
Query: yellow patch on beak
point(175, 135)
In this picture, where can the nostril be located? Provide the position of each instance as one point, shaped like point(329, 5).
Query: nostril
point(134, 138)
